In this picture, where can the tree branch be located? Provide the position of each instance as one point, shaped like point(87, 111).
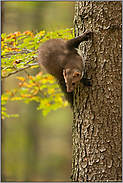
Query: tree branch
point(14, 72)
point(19, 52)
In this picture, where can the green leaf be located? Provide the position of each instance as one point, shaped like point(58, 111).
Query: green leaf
point(30, 46)
point(28, 39)
point(25, 44)
point(14, 115)
point(56, 105)
point(3, 108)
point(27, 100)
point(21, 37)
point(46, 111)
point(3, 35)
point(4, 114)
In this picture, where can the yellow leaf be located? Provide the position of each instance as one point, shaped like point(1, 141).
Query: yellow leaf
point(60, 99)
point(50, 77)
point(29, 85)
point(14, 44)
point(3, 44)
point(42, 32)
point(32, 84)
point(16, 98)
point(26, 84)
point(4, 98)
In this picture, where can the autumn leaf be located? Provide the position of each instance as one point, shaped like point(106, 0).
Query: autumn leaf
point(16, 98)
point(20, 78)
point(30, 77)
point(17, 33)
point(4, 98)
point(39, 74)
point(20, 84)
point(7, 91)
point(25, 95)
point(28, 33)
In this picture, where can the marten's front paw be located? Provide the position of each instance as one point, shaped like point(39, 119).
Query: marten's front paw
point(88, 35)
point(86, 82)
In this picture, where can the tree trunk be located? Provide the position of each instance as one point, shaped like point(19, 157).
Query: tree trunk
point(97, 124)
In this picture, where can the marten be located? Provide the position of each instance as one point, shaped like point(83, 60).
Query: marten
point(63, 60)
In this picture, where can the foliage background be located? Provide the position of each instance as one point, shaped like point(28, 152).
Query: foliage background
point(34, 147)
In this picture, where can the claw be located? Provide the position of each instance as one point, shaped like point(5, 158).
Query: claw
point(86, 82)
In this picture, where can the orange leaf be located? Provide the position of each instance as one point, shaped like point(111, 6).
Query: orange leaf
point(17, 33)
point(50, 77)
point(21, 78)
point(7, 91)
point(9, 36)
point(32, 84)
point(48, 104)
point(20, 84)
point(35, 92)
point(39, 74)
point(28, 33)
point(25, 95)
point(12, 94)
point(30, 77)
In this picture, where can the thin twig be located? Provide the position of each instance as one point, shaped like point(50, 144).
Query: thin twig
point(13, 67)
point(19, 52)
point(33, 59)
point(14, 72)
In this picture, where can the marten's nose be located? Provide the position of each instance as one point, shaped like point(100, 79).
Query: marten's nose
point(69, 91)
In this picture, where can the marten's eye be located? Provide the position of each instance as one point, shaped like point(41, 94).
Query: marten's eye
point(73, 83)
point(77, 74)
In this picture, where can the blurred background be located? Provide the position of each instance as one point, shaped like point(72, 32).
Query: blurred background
point(36, 148)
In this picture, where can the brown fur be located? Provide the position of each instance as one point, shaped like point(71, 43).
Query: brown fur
point(61, 59)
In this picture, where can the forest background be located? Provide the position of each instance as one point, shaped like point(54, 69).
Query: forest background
point(34, 147)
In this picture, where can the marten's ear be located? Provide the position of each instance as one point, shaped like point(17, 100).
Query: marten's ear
point(74, 43)
point(64, 74)
point(77, 74)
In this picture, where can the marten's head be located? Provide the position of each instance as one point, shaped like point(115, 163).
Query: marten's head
point(72, 78)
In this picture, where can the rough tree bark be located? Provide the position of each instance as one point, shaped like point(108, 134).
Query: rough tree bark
point(97, 124)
